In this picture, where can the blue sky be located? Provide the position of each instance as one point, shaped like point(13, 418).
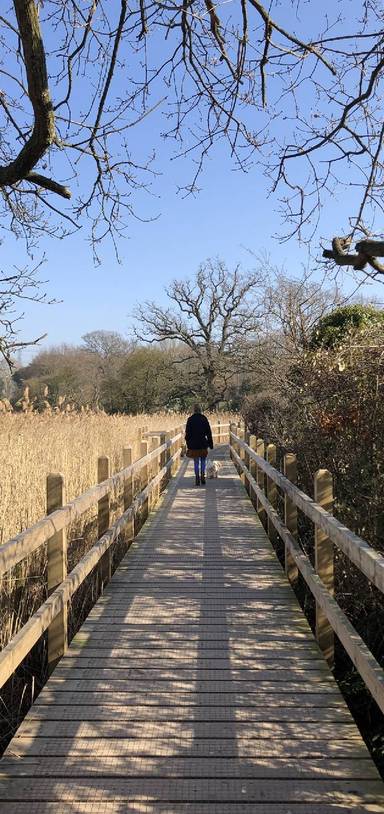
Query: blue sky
point(231, 214)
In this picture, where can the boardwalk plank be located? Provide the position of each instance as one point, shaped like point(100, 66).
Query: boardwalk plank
point(90, 667)
point(69, 693)
point(194, 686)
point(238, 748)
point(197, 713)
point(213, 790)
point(113, 684)
point(103, 765)
point(201, 660)
point(176, 729)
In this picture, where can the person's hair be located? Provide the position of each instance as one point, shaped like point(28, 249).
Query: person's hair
point(197, 408)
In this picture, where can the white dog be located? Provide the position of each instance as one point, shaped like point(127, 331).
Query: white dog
point(212, 469)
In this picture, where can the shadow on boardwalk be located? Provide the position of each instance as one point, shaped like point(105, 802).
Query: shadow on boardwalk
point(194, 687)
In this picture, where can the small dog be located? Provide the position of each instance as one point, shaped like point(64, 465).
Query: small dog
point(212, 469)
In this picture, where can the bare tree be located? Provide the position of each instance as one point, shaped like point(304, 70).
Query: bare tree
point(294, 305)
point(108, 350)
point(292, 309)
point(61, 375)
point(106, 344)
point(215, 316)
point(77, 78)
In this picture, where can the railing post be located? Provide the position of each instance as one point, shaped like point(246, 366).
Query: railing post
point(168, 456)
point(163, 455)
point(57, 572)
point(144, 468)
point(128, 488)
point(238, 449)
point(151, 466)
point(260, 449)
point(271, 490)
point(103, 520)
point(232, 428)
point(324, 562)
point(179, 430)
point(128, 483)
point(290, 515)
point(183, 441)
point(156, 467)
point(253, 466)
point(174, 449)
point(170, 453)
point(177, 446)
point(247, 436)
point(241, 434)
point(139, 433)
point(144, 476)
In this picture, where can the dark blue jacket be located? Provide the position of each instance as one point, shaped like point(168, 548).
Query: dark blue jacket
point(198, 433)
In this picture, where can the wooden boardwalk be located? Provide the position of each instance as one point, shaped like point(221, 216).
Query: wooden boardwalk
point(194, 687)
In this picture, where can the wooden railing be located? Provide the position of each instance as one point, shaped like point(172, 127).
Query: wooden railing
point(220, 432)
point(254, 461)
point(52, 615)
point(152, 471)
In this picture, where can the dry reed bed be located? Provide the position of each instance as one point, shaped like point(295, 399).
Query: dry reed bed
point(32, 445)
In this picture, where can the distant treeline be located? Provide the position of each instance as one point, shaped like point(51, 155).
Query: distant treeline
point(110, 373)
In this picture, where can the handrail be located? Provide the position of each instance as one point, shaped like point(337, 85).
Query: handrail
point(18, 648)
point(366, 664)
point(369, 561)
point(26, 542)
point(149, 433)
point(29, 540)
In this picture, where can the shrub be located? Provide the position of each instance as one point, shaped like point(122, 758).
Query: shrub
point(336, 326)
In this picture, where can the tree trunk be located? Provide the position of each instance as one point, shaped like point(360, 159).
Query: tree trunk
point(211, 394)
point(43, 133)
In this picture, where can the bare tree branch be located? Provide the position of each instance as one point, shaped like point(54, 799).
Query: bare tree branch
point(43, 132)
point(232, 72)
point(216, 316)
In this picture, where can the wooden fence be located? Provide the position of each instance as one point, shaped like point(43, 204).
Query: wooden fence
point(256, 464)
point(160, 454)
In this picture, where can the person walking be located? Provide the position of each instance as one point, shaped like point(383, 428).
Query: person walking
point(198, 436)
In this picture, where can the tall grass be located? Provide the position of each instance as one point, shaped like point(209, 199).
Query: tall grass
point(34, 444)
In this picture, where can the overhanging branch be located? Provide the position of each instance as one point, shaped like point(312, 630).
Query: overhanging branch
point(48, 183)
point(367, 253)
point(43, 133)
